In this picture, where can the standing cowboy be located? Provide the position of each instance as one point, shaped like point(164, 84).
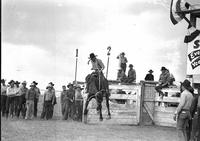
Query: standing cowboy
point(78, 103)
point(122, 61)
point(182, 113)
point(149, 76)
point(22, 100)
point(30, 96)
point(3, 97)
point(68, 101)
point(54, 97)
point(62, 95)
point(48, 103)
point(16, 98)
point(36, 98)
point(11, 92)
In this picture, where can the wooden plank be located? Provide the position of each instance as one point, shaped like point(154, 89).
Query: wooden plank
point(124, 87)
point(168, 99)
point(163, 115)
point(123, 96)
point(165, 109)
point(148, 111)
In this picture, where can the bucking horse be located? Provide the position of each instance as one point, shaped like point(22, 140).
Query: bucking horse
point(97, 87)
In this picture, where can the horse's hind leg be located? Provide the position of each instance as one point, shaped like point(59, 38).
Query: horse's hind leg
point(85, 107)
point(99, 99)
point(108, 106)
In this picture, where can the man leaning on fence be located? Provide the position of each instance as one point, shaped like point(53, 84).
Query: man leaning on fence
point(182, 114)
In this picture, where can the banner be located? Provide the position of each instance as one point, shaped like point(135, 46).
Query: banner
point(193, 57)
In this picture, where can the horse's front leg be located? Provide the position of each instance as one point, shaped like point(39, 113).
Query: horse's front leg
point(108, 106)
point(99, 99)
point(85, 107)
point(100, 112)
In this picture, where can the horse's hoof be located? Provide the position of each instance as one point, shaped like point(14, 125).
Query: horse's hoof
point(85, 119)
point(100, 119)
point(108, 117)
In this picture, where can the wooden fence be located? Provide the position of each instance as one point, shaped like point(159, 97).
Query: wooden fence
point(137, 104)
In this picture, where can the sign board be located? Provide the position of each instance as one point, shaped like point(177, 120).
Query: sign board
point(193, 57)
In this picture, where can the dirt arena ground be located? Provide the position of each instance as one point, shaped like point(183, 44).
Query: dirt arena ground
point(59, 130)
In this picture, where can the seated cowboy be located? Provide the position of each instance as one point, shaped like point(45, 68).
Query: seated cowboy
point(163, 81)
point(121, 76)
point(97, 66)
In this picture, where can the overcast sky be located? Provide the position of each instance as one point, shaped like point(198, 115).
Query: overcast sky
point(40, 38)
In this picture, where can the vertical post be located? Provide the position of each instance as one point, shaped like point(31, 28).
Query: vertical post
point(108, 54)
point(76, 66)
point(193, 22)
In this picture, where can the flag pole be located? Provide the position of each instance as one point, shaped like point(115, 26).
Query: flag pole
point(108, 54)
point(76, 66)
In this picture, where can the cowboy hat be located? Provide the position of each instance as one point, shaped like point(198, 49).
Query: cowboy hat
point(69, 84)
point(35, 83)
point(163, 68)
point(186, 84)
point(122, 53)
point(17, 82)
point(92, 55)
point(131, 65)
point(32, 84)
point(51, 83)
point(151, 71)
point(11, 81)
point(49, 86)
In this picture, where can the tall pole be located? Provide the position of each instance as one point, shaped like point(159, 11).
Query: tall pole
point(76, 66)
point(108, 54)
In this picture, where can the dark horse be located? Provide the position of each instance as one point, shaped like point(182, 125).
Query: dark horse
point(97, 87)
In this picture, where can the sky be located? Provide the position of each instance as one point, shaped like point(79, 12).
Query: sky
point(40, 38)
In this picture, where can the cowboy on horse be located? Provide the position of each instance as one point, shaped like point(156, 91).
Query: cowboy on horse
point(97, 85)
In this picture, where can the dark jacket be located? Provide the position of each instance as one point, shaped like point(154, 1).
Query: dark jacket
point(149, 77)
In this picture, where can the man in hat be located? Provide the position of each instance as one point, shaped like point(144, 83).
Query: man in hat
point(78, 103)
point(131, 75)
point(195, 116)
point(22, 100)
point(121, 76)
point(67, 101)
point(48, 103)
point(30, 96)
point(3, 97)
point(16, 98)
point(97, 64)
point(122, 61)
point(163, 81)
point(54, 98)
point(182, 113)
point(11, 92)
point(98, 67)
point(36, 97)
point(71, 96)
point(149, 76)
point(62, 95)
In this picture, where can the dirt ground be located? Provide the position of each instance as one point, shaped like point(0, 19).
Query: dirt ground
point(59, 130)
